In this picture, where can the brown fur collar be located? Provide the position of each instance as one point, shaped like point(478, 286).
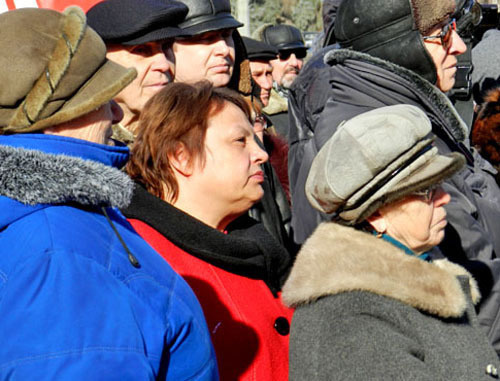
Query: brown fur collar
point(338, 259)
point(276, 104)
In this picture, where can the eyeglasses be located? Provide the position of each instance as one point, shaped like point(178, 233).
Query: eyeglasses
point(445, 34)
point(259, 123)
point(299, 53)
point(427, 194)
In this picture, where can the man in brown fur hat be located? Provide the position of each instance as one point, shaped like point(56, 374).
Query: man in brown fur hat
point(403, 55)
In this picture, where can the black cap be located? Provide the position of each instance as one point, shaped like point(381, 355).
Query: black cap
point(134, 22)
point(206, 16)
point(258, 50)
point(283, 37)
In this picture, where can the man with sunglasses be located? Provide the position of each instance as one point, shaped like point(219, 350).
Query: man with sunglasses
point(400, 52)
point(289, 42)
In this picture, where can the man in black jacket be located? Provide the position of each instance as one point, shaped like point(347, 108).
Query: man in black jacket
point(405, 55)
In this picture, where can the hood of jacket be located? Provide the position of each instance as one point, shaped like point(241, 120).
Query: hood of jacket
point(38, 170)
point(433, 98)
point(357, 75)
point(337, 259)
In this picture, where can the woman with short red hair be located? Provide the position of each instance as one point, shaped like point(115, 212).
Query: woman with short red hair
point(198, 169)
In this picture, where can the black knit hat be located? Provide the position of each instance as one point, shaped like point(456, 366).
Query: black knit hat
point(134, 22)
point(258, 50)
point(206, 16)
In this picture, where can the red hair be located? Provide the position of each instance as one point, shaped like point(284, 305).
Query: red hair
point(176, 115)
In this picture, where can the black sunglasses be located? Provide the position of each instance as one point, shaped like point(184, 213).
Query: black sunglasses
point(299, 53)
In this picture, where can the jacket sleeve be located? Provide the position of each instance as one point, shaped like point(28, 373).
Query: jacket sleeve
point(470, 241)
point(63, 318)
point(328, 345)
point(305, 106)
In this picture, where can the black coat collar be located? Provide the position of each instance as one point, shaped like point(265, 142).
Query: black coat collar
point(247, 250)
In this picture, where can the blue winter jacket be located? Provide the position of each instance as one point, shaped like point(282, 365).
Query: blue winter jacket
point(74, 305)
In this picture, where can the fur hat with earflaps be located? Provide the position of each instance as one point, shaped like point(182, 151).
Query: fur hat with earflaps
point(53, 69)
point(391, 30)
point(376, 158)
point(428, 14)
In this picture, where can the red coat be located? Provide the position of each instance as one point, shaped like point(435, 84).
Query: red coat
point(249, 327)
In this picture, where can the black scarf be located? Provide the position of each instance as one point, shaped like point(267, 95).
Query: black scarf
point(247, 250)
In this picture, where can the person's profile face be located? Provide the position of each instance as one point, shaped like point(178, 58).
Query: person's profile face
point(443, 44)
point(262, 75)
point(155, 65)
point(230, 174)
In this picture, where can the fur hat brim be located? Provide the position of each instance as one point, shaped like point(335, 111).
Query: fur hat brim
point(102, 87)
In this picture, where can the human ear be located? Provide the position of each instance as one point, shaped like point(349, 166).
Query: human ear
point(181, 161)
point(378, 222)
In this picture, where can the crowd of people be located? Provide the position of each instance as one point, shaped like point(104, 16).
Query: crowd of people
point(180, 202)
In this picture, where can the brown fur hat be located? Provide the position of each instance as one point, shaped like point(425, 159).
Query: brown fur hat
point(428, 14)
point(486, 130)
point(53, 69)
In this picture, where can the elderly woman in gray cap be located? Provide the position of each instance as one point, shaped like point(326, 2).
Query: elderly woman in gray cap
point(370, 303)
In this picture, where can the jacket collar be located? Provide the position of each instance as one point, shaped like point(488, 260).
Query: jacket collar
point(432, 98)
point(48, 169)
point(276, 104)
point(247, 249)
point(337, 259)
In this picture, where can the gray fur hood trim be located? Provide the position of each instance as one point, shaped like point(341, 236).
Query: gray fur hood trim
point(277, 104)
point(33, 177)
point(337, 259)
point(438, 100)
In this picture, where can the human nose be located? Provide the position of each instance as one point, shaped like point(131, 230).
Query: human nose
point(161, 62)
point(222, 47)
point(441, 197)
point(457, 44)
point(268, 82)
point(293, 60)
point(116, 112)
point(259, 155)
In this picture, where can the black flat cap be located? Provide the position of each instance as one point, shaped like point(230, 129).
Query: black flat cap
point(258, 50)
point(206, 16)
point(134, 22)
point(283, 37)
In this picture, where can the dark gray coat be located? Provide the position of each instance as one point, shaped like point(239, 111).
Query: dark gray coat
point(368, 311)
point(337, 85)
